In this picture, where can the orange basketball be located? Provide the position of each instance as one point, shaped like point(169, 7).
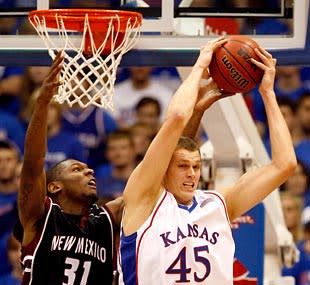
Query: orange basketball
point(231, 68)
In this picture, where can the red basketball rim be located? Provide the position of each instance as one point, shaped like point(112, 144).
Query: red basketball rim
point(99, 19)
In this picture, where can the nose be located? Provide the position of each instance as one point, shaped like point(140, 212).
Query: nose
point(89, 171)
point(191, 172)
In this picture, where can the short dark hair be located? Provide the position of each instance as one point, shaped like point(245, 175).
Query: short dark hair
point(146, 101)
point(188, 144)
point(10, 146)
point(54, 172)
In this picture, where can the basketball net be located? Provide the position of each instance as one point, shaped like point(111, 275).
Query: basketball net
point(89, 69)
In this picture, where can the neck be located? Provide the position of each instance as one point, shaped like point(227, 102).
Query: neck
point(75, 207)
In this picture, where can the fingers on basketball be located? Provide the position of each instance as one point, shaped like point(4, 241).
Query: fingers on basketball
point(266, 59)
point(231, 66)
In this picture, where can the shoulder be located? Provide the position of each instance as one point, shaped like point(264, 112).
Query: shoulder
point(115, 208)
point(210, 195)
point(213, 193)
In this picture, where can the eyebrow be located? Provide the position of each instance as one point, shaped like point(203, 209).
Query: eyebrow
point(78, 164)
point(182, 160)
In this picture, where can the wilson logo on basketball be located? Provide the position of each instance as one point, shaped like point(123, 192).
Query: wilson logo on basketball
point(234, 74)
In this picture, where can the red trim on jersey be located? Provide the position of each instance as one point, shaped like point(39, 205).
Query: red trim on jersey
point(138, 247)
point(223, 202)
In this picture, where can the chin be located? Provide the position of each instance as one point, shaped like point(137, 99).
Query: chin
point(186, 199)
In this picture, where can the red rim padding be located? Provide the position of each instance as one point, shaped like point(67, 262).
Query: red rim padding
point(98, 19)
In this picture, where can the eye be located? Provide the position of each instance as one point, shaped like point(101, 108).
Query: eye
point(76, 168)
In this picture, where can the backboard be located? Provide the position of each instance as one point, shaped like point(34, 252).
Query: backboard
point(172, 30)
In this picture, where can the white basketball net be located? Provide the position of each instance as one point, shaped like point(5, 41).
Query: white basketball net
point(87, 79)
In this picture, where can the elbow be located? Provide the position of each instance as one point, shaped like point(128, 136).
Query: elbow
point(179, 118)
point(292, 165)
point(288, 166)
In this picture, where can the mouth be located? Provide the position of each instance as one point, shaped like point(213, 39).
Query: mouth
point(189, 185)
point(92, 183)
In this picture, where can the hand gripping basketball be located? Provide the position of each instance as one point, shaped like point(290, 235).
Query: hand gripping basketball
point(231, 67)
point(206, 52)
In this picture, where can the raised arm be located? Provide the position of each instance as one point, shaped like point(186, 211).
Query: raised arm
point(144, 185)
point(32, 192)
point(255, 185)
point(208, 94)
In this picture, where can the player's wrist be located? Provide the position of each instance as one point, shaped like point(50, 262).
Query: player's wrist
point(199, 67)
point(197, 73)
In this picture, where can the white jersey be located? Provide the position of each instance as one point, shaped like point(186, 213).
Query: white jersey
point(180, 245)
point(126, 97)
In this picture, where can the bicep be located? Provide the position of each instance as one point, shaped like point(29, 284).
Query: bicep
point(251, 189)
point(142, 186)
point(116, 207)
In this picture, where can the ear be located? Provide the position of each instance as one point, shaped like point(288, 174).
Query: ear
point(54, 187)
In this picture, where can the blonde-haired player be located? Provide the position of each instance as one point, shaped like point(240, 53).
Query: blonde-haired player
point(173, 233)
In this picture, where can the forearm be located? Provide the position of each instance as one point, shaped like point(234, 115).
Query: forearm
point(282, 149)
point(36, 139)
point(31, 194)
point(183, 102)
point(191, 129)
point(208, 94)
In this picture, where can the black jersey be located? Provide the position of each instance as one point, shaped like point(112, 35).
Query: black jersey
point(70, 249)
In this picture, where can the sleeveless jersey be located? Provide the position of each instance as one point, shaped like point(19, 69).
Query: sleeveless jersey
point(68, 253)
point(180, 245)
